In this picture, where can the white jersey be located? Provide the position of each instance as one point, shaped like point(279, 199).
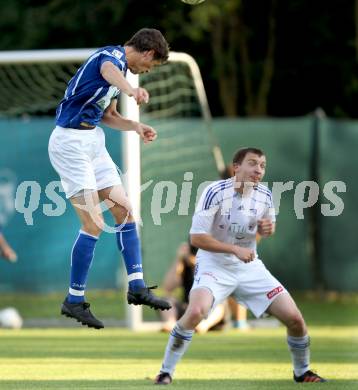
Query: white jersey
point(230, 217)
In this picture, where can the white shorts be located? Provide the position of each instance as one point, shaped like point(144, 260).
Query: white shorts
point(251, 284)
point(81, 159)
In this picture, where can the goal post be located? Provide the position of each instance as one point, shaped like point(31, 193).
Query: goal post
point(131, 143)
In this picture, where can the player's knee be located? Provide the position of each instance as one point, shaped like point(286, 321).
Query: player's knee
point(121, 213)
point(196, 313)
point(95, 226)
point(296, 323)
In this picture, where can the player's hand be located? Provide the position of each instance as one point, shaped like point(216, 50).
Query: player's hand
point(265, 227)
point(244, 254)
point(183, 250)
point(9, 254)
point(140, 95)
point(147, 133)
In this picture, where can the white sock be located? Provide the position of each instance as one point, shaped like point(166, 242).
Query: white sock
point(178, 343)
point(300, 352)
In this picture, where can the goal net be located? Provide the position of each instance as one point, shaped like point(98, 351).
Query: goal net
point(33, 82)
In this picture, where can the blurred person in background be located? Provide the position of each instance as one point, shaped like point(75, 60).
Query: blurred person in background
point(6, 252)
point(180, 276)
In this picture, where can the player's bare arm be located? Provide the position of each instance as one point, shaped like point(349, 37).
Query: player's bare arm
point(6, 251)
point(115, 120)
point(172, 278)
point(265, 227)
point(115, 77)
point(209, 243)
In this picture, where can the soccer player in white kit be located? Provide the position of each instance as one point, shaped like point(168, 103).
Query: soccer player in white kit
point(227, 218)
point(88, 175)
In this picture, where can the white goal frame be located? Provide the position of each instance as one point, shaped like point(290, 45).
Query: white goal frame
point(129, 108)
point(131, 142)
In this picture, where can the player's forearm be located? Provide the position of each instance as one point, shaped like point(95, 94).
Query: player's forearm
point(171, 280)
point(116, 78)
point(209, 243)
point(119, 123)
point(3, 242)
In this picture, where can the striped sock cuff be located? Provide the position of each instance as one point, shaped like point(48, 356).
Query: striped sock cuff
point(298, 342)
point(76, 293)
point(87, 234)
point(135, 276)
point(181, 333)
point(123, 228)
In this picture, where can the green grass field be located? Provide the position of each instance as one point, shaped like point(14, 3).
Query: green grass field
point(82, 358)
point(119, 359)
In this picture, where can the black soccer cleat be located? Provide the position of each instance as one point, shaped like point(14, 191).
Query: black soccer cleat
point(82, 313)
point(145, 297)
point(308, 376)
point(163, 378)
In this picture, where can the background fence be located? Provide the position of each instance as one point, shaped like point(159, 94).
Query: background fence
point(183, 146)
point(43, 248)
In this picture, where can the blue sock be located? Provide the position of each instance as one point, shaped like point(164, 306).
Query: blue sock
point(81, 258)
point(129, 245)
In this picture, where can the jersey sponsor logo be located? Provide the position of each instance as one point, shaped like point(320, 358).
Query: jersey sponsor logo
point(274, 292)
point(117, 54)
point(235, 228)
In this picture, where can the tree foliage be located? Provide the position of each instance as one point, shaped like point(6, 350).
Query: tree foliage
point(258, 57)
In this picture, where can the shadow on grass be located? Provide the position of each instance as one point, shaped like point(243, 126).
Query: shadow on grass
point(191, 384)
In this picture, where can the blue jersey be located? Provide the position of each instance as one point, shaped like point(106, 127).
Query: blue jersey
point(88, 94)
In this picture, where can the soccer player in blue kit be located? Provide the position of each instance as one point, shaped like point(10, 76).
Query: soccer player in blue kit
point(227, 218)
point(88, 175)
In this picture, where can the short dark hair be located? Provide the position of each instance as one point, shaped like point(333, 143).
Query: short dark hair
point(150, 39)
point(241, 153)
